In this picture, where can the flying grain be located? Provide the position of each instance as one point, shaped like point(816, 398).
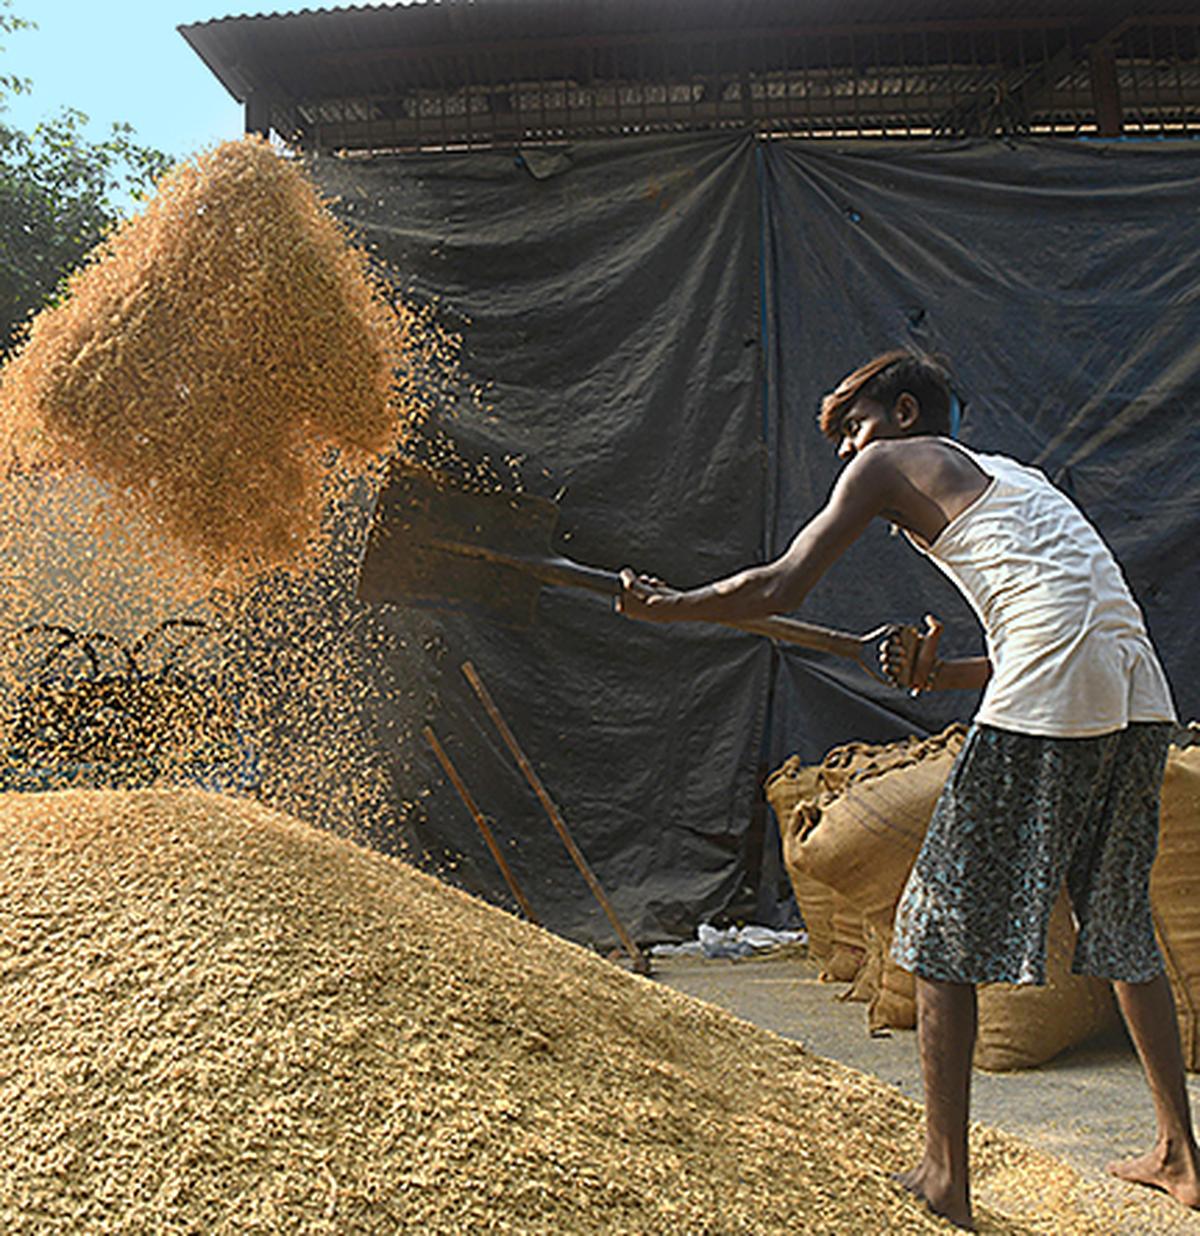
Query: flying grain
point(224, 361)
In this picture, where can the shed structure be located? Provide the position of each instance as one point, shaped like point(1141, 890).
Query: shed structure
point(454, 73)
point(664, 229)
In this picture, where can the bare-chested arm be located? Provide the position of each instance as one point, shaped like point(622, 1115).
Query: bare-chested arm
point(912, 486)
point(867, 486)
point(962, 674)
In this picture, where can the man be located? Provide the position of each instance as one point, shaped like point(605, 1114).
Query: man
point(1059, 778)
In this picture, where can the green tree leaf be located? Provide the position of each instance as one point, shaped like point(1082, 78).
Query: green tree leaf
point(60, 191)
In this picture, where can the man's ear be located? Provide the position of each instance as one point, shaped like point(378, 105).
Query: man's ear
point(906, 411)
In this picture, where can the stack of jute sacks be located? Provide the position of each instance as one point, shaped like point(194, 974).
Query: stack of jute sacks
point(851, 829)
point(1175, 887)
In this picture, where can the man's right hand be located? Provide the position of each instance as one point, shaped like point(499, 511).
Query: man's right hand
point(912, 663)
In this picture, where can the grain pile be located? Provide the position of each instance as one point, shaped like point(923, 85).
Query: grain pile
point(222, 363)
point(215, 1018)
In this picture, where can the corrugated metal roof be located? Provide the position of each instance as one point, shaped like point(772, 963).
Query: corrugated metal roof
point(377, 75)
point(512, 13)
point(328, 50)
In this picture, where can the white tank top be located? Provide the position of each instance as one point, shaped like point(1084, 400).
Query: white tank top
point(1068, 644)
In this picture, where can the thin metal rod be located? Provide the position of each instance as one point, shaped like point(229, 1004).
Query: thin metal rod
point(465, 794)
point(640, 963)
point(1178, 77)
point(1155, 76)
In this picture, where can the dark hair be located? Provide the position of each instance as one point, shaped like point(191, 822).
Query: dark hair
point(883, 380)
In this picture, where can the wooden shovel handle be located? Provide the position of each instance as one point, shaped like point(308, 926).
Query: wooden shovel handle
point(570, 574)
point(819, 639)
point(566, 572)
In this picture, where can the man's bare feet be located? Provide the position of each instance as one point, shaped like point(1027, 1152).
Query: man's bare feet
point(938, 1192)
point(1170, 1166)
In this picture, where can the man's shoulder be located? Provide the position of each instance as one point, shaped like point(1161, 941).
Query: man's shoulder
point(903, 453)
point(920, 469)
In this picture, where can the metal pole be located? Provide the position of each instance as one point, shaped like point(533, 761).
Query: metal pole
point(465, 795)
point(640, 962)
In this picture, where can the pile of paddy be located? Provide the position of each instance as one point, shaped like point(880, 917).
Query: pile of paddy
point(216, 1018)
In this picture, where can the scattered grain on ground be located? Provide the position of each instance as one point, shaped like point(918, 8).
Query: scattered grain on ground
point(216, 1018)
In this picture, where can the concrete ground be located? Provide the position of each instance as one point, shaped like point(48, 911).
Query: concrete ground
point(1087, 1106)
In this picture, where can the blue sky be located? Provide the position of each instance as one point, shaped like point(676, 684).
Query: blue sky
point(124, 60)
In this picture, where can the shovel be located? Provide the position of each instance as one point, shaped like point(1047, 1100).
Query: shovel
point(433, 544)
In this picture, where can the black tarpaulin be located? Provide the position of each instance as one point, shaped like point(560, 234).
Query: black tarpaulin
point(608, 298)
point(1061, 280)
point(655, 320)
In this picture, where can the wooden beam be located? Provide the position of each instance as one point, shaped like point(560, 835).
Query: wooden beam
point(1106, 90)
point(258, 114)
point(534, 46)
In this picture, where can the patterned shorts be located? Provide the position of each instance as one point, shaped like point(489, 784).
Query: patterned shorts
point(1018, 816)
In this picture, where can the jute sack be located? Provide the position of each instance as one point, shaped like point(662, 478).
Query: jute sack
point(862, 839)
point(1023, 1026)
point(893, 1002)
point(1019, 1026)
point(849, 943)
point(862, 842)
point(833, 819)
point(1175, 892)
point(816, 908)
point(789, 786)
point(790, 783)
point(865, 988)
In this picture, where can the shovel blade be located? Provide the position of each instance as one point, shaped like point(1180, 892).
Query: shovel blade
point(418, 514)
